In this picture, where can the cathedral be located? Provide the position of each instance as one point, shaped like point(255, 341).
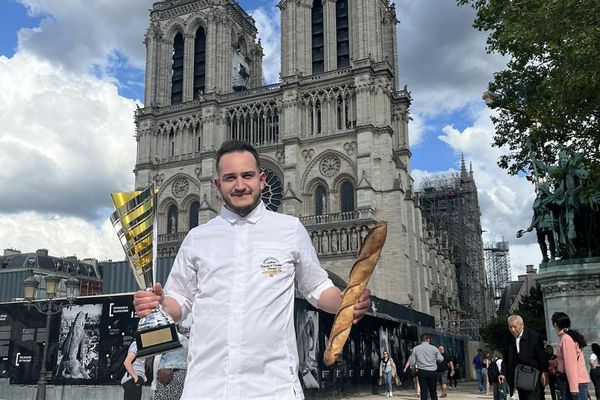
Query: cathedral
point(332, 134)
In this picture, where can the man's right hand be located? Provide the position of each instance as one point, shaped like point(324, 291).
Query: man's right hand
point(501, 379)
point(145, 301)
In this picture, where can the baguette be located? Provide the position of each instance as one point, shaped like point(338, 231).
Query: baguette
point(359, 278)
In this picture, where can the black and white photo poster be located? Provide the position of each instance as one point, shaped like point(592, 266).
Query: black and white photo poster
point(78, 341)
point(307, 326)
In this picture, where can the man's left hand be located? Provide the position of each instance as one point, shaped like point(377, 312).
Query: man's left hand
point(363, 305)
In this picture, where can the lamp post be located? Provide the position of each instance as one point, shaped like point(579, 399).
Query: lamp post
point(48, 307)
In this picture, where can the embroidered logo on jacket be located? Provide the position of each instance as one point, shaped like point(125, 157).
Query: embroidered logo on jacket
point(270, 266)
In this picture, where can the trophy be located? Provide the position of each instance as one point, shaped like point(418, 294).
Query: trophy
point(135, 223)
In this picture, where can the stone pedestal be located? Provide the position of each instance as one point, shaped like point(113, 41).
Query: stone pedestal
point(573, 287)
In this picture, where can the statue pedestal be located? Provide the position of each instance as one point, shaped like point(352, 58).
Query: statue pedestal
point(573, 287)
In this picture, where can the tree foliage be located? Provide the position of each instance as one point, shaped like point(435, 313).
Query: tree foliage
point(494, 332)
point(531, 309)
point(548, 97)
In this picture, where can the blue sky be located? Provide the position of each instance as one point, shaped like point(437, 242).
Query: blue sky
point(72, 74)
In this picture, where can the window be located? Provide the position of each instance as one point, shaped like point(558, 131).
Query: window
point(347, 197)
point(194, 208)
point(320, 200)
point(341, 27)
point(177, 70)
point(199, 62)
point(172, 216)
point(318, 53)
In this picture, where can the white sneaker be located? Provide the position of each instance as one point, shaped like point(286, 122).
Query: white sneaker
point(391, 394)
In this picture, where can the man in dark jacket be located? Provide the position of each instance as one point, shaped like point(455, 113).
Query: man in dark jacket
point(524, 347)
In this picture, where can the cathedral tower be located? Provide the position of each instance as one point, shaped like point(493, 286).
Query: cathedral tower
point(332, 134)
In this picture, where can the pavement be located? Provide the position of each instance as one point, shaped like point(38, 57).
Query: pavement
point(464, 391)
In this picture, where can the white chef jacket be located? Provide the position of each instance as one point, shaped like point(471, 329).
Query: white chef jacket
point(236, 275)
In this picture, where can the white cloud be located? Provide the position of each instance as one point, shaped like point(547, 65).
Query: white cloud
point(80, 34)
point(62, 235)
point(268, 23)
point(66, 143)
point(441, 56)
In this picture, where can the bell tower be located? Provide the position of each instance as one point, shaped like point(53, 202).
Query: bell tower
point(198, 47)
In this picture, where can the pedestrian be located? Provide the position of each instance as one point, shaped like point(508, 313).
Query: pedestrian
point(552, 371)
point(172, 371)
point(485, 364)
point(424, 358)
point(595, 368)
point(572, 375)
point(135, 374)
point(442, 370)
point(524, 347)
point(413, 374)
point(236, 275)
point(387, 371)
point(454, 372)
point(499, 390)
point(477, 363)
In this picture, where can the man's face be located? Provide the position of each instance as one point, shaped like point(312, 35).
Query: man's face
point(515, 327)
point(441, 349)
point(240, 183)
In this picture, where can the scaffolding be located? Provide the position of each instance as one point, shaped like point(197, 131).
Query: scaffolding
point(497, 267)
point(449, 202)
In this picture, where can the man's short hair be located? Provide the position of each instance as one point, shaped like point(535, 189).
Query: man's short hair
point(425, 338)
point(232, 146)
point(516, 318)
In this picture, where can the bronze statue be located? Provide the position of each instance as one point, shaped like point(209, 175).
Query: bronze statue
point(544, 222)
point(564, 212)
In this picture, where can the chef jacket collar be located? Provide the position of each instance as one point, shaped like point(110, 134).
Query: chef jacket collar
point(254, 216)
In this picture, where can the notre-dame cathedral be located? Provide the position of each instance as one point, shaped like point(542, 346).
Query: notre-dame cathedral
point(332, 134)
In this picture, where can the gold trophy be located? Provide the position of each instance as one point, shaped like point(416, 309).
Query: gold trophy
point(135, 223)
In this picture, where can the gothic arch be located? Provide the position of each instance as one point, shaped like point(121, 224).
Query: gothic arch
point(272, 165)
point(194, 22)
point(312, 168)
point(340, 179)
point(174, 27)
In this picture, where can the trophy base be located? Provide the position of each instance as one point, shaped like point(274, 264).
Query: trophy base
point(156, 334)
point(158, 340)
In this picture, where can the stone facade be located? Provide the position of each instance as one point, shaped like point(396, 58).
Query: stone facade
point(334, 143)
point(573, 287)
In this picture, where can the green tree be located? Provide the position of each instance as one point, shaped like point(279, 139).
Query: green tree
point(531, 309)
point(494, 332)
point(548, 97)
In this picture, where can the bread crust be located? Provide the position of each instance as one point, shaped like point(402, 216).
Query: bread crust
point(357, 283)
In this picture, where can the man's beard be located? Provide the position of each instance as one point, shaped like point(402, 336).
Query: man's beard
point(244, 210)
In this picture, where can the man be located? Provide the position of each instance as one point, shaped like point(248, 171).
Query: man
point(442, 370)
point(478, 369)
point(424, 358)
point(524, 347)
point(236, 275)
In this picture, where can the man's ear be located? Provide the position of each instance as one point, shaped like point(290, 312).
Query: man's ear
point(217, 183)
point(263, 180)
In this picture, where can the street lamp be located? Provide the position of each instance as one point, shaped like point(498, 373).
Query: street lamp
point(48, 307)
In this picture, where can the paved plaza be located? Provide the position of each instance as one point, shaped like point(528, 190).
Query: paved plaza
point(465, 391)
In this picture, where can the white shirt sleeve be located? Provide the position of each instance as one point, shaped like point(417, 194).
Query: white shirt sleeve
point(182, 282)
point(311, 278)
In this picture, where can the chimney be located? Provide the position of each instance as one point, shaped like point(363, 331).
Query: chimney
point(530, 269)
point(11, 252)
point(42, 252)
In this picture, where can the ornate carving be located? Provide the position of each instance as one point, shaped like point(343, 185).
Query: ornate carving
point(158, 179)
point(280, 156)
point(198, 172)
point(308, 154)
point(180, 187)
point(350, 148)
point(330, 166)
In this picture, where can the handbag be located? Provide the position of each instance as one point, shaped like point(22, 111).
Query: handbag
point(526, 377)
point(397, 380)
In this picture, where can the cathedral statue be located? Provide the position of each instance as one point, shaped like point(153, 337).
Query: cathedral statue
point(573, 218)
point(544, 222)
